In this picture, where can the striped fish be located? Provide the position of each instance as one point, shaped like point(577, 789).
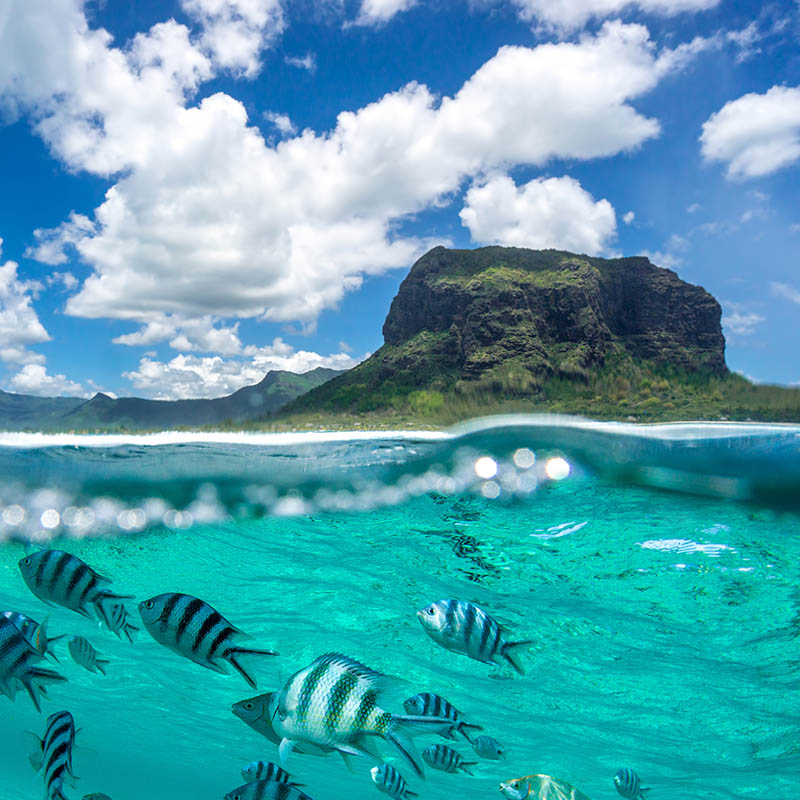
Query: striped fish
point(192, 628)
point(628, 784)
point(442, 757)
point(427, 704)
point(17, 657)
point(84, 654)
point(255, 712)
point(35, 632)
point(464, 628)
point(266, 790)
point(266, 771)
point(62, 579)
point(54, 754)
point(334, 702)
point(390, 781)
point(489, 748)
point(117, 619)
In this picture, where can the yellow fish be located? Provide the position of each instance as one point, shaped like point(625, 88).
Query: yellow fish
point(540, 787)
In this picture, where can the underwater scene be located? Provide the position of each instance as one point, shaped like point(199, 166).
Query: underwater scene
point(517, 607)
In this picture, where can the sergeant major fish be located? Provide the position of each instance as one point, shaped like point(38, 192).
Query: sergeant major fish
point(390, 781)
point(628, 784)
point(266, 771)
point(427, 704)
point(192, 628)
point(62, 579)
point(84, 654)
point(117, 620)
point(54, 754)
point(334, 702)
point(266, 790)
point(17, 657)
point(442, 757)
point(488, 747)
point(462, 627)
point(35, 632)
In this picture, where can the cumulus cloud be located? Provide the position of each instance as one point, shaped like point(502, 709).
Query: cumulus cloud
point(212, 376)
point(570, 15)
point(755, 135)
point(739, 322)
point(552, 212)
point(34, 379)
point(374, 13)
point(282, 122)
point(629, 217)
point(307, 62)
point(205, 218)
point(202, 334)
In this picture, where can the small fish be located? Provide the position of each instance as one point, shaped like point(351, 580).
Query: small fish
point(540, 787)
point(444, 758)
point(62, 579)
point(96, 796)
point(117, 620)
point(487, 747)
point(390, 781)
point(266, 771)
point(255, 712)
point(464, 628)
point(192, 628)
point(628, 784)
point(54, 754)
point(427, 704)
point(17, 657)
point(35, 632)
point(84, 654)
point(266, 790)
point(334, 702)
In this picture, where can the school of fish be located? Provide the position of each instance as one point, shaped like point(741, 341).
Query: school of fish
point(332, 705)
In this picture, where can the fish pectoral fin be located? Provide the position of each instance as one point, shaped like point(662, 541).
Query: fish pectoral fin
point(37, 754)
point(348, 761)
point(215, 665)
point(284, 748)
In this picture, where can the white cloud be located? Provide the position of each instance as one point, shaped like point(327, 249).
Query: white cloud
point(786, 291)
point(756, 134)
point(378, 12)
point(307, 62)
point(212, 376)
point(51, 243)
point(694, 207)
point(34, 379)
point(741, 323)
point(282, 122)
point(663, 259)
point(236, 31)
point(551, 212)
point(628, 217)
point(207, 219)
point(19, 322)
point(573, 14)
point(200, 334)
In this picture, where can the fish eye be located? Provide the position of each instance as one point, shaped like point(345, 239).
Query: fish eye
point(431, 610)
point(249, 706)
point(149, 604)
point(27, 561)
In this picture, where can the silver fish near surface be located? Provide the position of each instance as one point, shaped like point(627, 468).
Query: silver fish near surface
point(628, 784)
point(444, 758)
point(266, 790)
point(192, 628)
point(84, 654)
point(488, 747)
point(427, 704)
point(390, 781)
point(117, 620)
point(462, 627)
point(540, 787)
point(334, 703)
point(266, 771)
point(35, 632)
point(62, 579)
point(17, 658)
point(54, 754)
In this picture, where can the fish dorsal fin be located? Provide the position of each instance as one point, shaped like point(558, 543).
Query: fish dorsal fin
point(376, 680)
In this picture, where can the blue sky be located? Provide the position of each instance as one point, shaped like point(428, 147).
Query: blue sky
point(196, 192)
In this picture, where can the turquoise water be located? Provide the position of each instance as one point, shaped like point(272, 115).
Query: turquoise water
point(665, 621)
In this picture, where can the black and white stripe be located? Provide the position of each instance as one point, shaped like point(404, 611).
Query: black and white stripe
point(84, 654)
point(265, 771)
point(390, 781)
point(266, 790)
point(428, 704)
point(488, 747)
point(628, 784)
point(55, 753)
point(116, 618)
point(191, 627)
point(444, 758)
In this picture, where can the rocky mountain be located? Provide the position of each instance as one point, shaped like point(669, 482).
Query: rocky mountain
point(508, 320)
point(25, 412)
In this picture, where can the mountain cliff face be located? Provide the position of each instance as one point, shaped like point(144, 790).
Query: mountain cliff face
point(509, 319)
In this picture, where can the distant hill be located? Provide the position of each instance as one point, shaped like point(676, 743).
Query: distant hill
point(101, 412)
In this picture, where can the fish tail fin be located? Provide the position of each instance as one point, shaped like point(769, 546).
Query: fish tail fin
point(235, 652)
point(403, 727)
point(461, 729)
point(405, 747)
point(464, 764)
point(511, 654)
point(100, 664)
point(31, 682)
point(409, 793)
point(36, 757)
